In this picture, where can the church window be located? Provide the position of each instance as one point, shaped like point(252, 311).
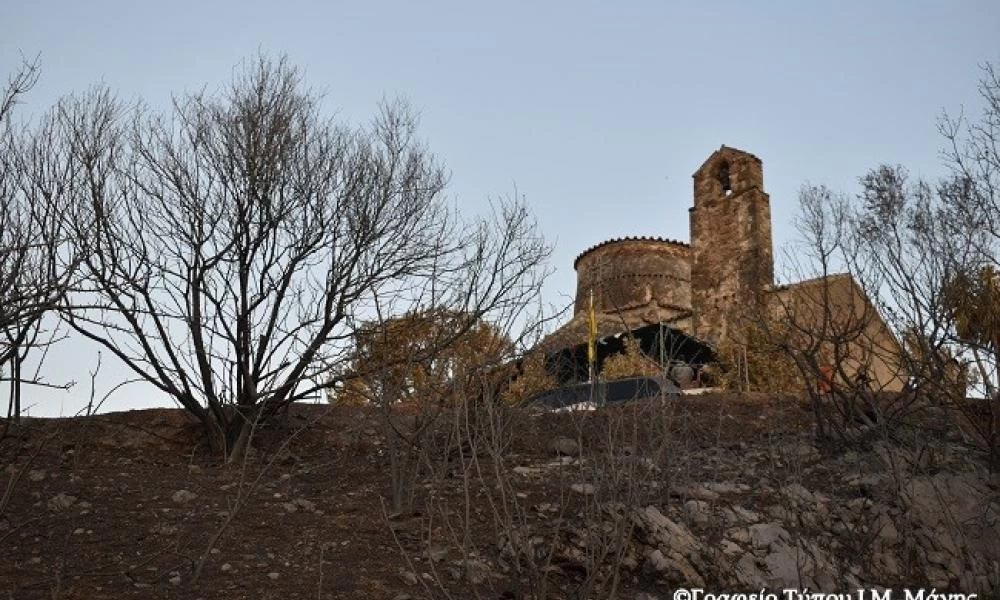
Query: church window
point(724, 179)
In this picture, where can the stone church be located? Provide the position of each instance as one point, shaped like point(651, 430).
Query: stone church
point(697, 288)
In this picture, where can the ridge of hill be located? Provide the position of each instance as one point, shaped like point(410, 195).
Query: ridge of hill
point(721, 491)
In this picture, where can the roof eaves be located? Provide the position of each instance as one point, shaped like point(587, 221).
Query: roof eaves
point(631, 238)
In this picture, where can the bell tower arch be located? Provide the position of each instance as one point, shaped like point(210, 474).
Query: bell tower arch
point(732, 262)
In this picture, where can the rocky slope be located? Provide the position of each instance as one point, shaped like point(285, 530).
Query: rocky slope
point(881, 518)
point(727, 493)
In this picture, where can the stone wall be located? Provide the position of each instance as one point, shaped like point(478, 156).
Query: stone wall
point(732, 262)
point(835, 309)
point(627, 274)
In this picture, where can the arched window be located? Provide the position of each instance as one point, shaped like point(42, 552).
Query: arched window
point(723, 177)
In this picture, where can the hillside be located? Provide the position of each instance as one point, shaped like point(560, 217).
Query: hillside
point(724, 492)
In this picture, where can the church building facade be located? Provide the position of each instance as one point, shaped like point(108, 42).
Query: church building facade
point(699, 288)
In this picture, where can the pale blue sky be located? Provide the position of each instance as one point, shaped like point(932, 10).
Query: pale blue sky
point(598, 112)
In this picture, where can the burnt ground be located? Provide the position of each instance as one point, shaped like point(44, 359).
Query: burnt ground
point(126, 505)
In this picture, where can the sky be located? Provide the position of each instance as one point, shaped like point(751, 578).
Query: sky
point(596, 112)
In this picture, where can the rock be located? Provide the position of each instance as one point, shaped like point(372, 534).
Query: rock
point(727, 488)
point(586, 489)
point(937, 577)
point(657, 561)
point(639, 462)
point(783, 566)
point(61, 501)
point(476, 571)
point(273, 576)
point(739, 534)
point(746, 515)
point(175, 580)
point(290, 506)
point(682, 374)
point(782, 514)
point(406, 423)
point(305, 505)
point(665, 533)
point(888, 535)
point(696, 492)
point(858, 505)
point(226, 568)
point(36, 475)
point(437, 553)
point(673, 565)
point(764, 535)
point(564, 446)
point(748, 573)
point(409, 577)
point(803, 451)
point(939, 502)
point(798, 494)
point(886, 562)
point(697, 511)
point(183, 496)
point(809, 519)
point(526, 471)
point(728, 547)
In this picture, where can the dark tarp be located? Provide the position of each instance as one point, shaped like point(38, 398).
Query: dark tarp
point(660, 342)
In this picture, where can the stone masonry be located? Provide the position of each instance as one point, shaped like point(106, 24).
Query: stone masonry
point(732, 264)
point(639, 281)
point(635, 273)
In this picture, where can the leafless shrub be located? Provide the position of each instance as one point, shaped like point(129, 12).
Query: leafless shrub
point(36, 265)
point(232, 249)
point(575, 540)
point(896, 315)
point(829, 326)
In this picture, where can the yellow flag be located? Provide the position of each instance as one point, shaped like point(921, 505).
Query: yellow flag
point(591, 331)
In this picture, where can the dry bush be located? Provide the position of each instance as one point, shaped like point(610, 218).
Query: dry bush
point(37, 266)
point(417, 369)
point(425, 356)
point(632, 362)
point(533, 378)
point(233, 246)
point(757, 360)
point(577, 540)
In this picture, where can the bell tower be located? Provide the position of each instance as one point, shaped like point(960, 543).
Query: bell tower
point(732, 261)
